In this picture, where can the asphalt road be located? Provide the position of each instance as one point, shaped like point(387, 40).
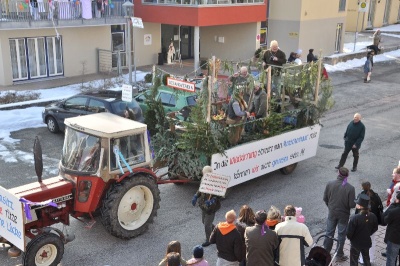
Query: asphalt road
point(178, 220)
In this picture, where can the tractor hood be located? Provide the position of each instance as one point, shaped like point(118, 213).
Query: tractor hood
point(57, 189)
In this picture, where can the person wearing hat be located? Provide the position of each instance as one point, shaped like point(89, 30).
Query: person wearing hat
point(261, 242)
point(198, 257)
point(392, 235)
point(298, 61)
point(339, 196)
point(259, 102)
point(228, 241)
point(209, 205)
point(236, 114)
point(311, 57)
point(359, 230)
point(353, 137)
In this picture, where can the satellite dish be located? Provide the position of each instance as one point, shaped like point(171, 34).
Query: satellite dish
point(38, 158)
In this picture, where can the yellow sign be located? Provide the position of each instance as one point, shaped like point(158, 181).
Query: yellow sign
point(363, 7)
point(294, 34)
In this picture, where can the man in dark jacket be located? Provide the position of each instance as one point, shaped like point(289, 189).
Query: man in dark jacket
point(311, 57)
point(361, 226)
point(392, 236)
point(339, 196)
point(261, 242)
point(259, 103)
point(353, 137)
point(209, 205)
point(228, 241)
point(275, 58)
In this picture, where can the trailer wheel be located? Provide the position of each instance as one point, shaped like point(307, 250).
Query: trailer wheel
point(46, 249)
point(130, 206)
point(288, 169)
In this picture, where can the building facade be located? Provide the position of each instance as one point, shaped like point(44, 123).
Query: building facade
point(305, 24)
point(379, 13)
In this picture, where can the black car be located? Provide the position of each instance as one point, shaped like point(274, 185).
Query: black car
point(88, 103)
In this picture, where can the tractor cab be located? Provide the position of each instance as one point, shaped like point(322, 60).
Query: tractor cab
point(103, 145)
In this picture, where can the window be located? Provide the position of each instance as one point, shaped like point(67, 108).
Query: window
point(263, 33)
point(96, 106)
point(131, 148)
point(36, 57)
point(342, 5)
point(166, 99)
point(76, 103)
point(191, 100)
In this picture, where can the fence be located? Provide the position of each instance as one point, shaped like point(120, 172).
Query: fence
point(112, 61)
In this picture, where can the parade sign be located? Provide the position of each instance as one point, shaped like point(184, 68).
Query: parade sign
point(214, 184)
point(181, 85)
point(11, 219)
point(137, 22)
point(251, 160)
point(126, 93)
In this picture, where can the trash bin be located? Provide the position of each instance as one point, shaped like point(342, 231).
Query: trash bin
point(160, 59)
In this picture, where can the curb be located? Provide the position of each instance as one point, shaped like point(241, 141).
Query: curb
point(333, 60)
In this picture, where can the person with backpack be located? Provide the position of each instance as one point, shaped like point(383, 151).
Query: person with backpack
point(376, 207)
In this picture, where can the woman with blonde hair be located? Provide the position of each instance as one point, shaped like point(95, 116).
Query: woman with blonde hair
point(173, 246)
point(273, 217)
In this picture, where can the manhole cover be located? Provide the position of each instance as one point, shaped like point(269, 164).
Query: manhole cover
point(331, 146)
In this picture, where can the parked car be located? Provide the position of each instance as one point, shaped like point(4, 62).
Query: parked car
point(88, 103)
point(172, 100)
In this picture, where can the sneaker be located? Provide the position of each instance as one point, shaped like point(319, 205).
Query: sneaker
point(342, 258)
point(206, 244)
point(354, 169)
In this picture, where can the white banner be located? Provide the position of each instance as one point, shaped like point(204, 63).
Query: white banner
point(126, 93)
point(251, 160)
point(214, 184)
point(11, 219)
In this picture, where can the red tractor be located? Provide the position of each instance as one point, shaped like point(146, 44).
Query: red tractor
point(105, 166)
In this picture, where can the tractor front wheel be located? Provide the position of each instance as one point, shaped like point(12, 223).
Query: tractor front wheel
point(288, 169)
point(130, 206)
point(46, 249)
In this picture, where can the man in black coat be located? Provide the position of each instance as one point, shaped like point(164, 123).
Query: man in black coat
point(353, 137)
point(339, 197)
point(275, 58)
point(311, 57)
point(392, 236)
point(359, 230)
point(228, 241)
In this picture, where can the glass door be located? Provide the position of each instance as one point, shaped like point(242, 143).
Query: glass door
point(18, 59)
point(338, 41)
point(387, 12)
point(54, 56)
point(37, 57)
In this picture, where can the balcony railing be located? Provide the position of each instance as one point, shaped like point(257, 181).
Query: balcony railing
point(201, 2)
point(20, 11)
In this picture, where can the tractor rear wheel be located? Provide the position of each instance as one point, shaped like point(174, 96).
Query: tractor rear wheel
point(130, 206)
point(46, 249)
point(288, 169)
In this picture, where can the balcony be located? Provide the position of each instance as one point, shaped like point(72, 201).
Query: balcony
point(22, 15)
point(203, 3)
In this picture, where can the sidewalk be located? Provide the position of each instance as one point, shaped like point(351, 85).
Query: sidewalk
point(380, 247)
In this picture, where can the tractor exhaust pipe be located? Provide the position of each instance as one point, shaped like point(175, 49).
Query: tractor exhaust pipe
point(38, 158)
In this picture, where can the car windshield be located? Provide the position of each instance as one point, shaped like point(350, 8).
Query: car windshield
point(120, 106)
point(81, 152)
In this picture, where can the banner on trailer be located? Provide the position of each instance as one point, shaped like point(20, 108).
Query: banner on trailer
point(11, 219)
point(250, 160)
